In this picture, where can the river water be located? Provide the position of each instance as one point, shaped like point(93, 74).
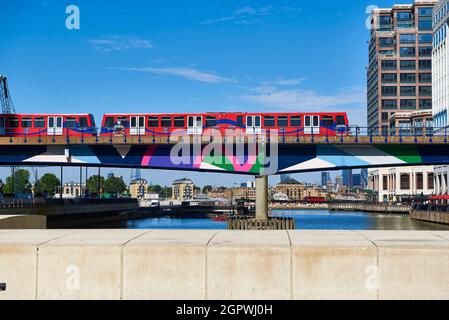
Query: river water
point(305, 220)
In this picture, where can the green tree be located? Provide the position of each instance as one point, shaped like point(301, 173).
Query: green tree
point(47, 184)
point(19, 182)
point(166, 192)
point(155, 189)
point(92, 184)
point(207, 189)
point(114, 185)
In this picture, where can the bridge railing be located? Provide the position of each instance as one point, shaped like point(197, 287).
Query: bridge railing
point(340, 134)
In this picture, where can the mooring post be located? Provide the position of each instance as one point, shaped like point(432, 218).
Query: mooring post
point(262, 198)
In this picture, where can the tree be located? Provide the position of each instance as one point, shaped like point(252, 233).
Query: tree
point(207, 189)
point(92, 184)
point(47, 184)
point(114, 185)
point(155, 189)
point(166, 192)
point(19, 182)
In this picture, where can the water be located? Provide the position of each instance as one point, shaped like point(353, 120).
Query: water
point(305, 220)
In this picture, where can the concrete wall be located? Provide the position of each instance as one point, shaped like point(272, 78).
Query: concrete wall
point(142, 264)
point(23, 222)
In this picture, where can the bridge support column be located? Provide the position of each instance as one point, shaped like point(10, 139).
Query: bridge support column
point(262, 221)
point(262, 198)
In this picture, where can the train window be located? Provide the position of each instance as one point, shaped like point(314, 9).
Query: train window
point(316, 121)
point(341, 121)
point(14, 122)
point(295, 121)
point(71, 123)
point(92, 121)
point(328, 121)
point(153, 122)
point(283, 121)
point(307, 121)
point(123, 121)
point(166, 122)
point(83, 122)
point(27, 123)
point(180, 122)
point(59, 122)
point(141, 122)
point(269, 121)
point(191, 122)
point(211, 121)
point(39, 122)
point(133, 122)
point(257, 121)
point(109, 122)
point(240, 120)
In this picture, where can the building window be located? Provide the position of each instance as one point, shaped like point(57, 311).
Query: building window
point(404, 16)
point(430, 183)
point(389, 65)
point(408, 77)
point(385, 183)
point(408, 91)
point(419, 181)
point(425, 51)
point(385, 116)
point(386, 42)
point(407, 38)
point(425, 104)
point(405, 181)
point(425, 77)
point(425, 38)
point(408, 65)
point(389, 104)
point(425, 12)
point(425, 24)
point(425, 91)
point(425, 64)
point(389, 78)
point(408, 104)
point(407, 51)
point(384, 21)
point(389, 91)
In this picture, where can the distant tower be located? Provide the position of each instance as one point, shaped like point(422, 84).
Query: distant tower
point(136, 174)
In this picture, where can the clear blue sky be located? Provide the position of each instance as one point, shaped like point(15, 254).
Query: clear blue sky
point(173, 56)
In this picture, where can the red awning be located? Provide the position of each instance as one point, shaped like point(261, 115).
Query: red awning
point(440, 197)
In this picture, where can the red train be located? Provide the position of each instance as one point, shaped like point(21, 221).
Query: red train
point(17, 125)
point(252, 123)
point(293, 124)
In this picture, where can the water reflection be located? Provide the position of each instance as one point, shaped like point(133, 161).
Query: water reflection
point(305, 220)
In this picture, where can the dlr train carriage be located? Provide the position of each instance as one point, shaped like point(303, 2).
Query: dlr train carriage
point(74, 125)
point(251, 123)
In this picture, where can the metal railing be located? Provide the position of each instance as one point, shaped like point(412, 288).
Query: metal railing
point(322, 134)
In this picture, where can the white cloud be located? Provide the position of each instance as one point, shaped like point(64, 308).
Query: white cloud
point(289, 82)
point(120, 43)
point(251, 15)
point(304, 100)
point(187, 73)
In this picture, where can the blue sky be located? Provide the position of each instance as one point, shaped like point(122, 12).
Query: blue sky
point(174, 56)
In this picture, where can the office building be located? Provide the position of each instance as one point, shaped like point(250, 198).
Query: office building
point(347, 178)
point(400, 62)
point(325, 178)
point(440, 65)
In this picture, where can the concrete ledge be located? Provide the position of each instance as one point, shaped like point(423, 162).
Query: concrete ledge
point(23, 222)
point(234, 265)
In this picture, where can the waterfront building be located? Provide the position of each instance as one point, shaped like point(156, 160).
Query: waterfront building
point(392, 184)
point(299, 191)
point(441, 180)
point(347, 178)
point(71, 190)
point(440, 64)
point(400, 62)
point(247, 193)
point(138, 188)
point(183, 189)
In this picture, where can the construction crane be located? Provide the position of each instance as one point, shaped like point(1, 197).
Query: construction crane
point(5, 97)
point(7, 107)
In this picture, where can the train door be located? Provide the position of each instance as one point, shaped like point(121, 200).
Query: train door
point(2, 126)
point(253, 125)
point(312, 124)
point(137, 125)
point(195, 125)
point(55, 126)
